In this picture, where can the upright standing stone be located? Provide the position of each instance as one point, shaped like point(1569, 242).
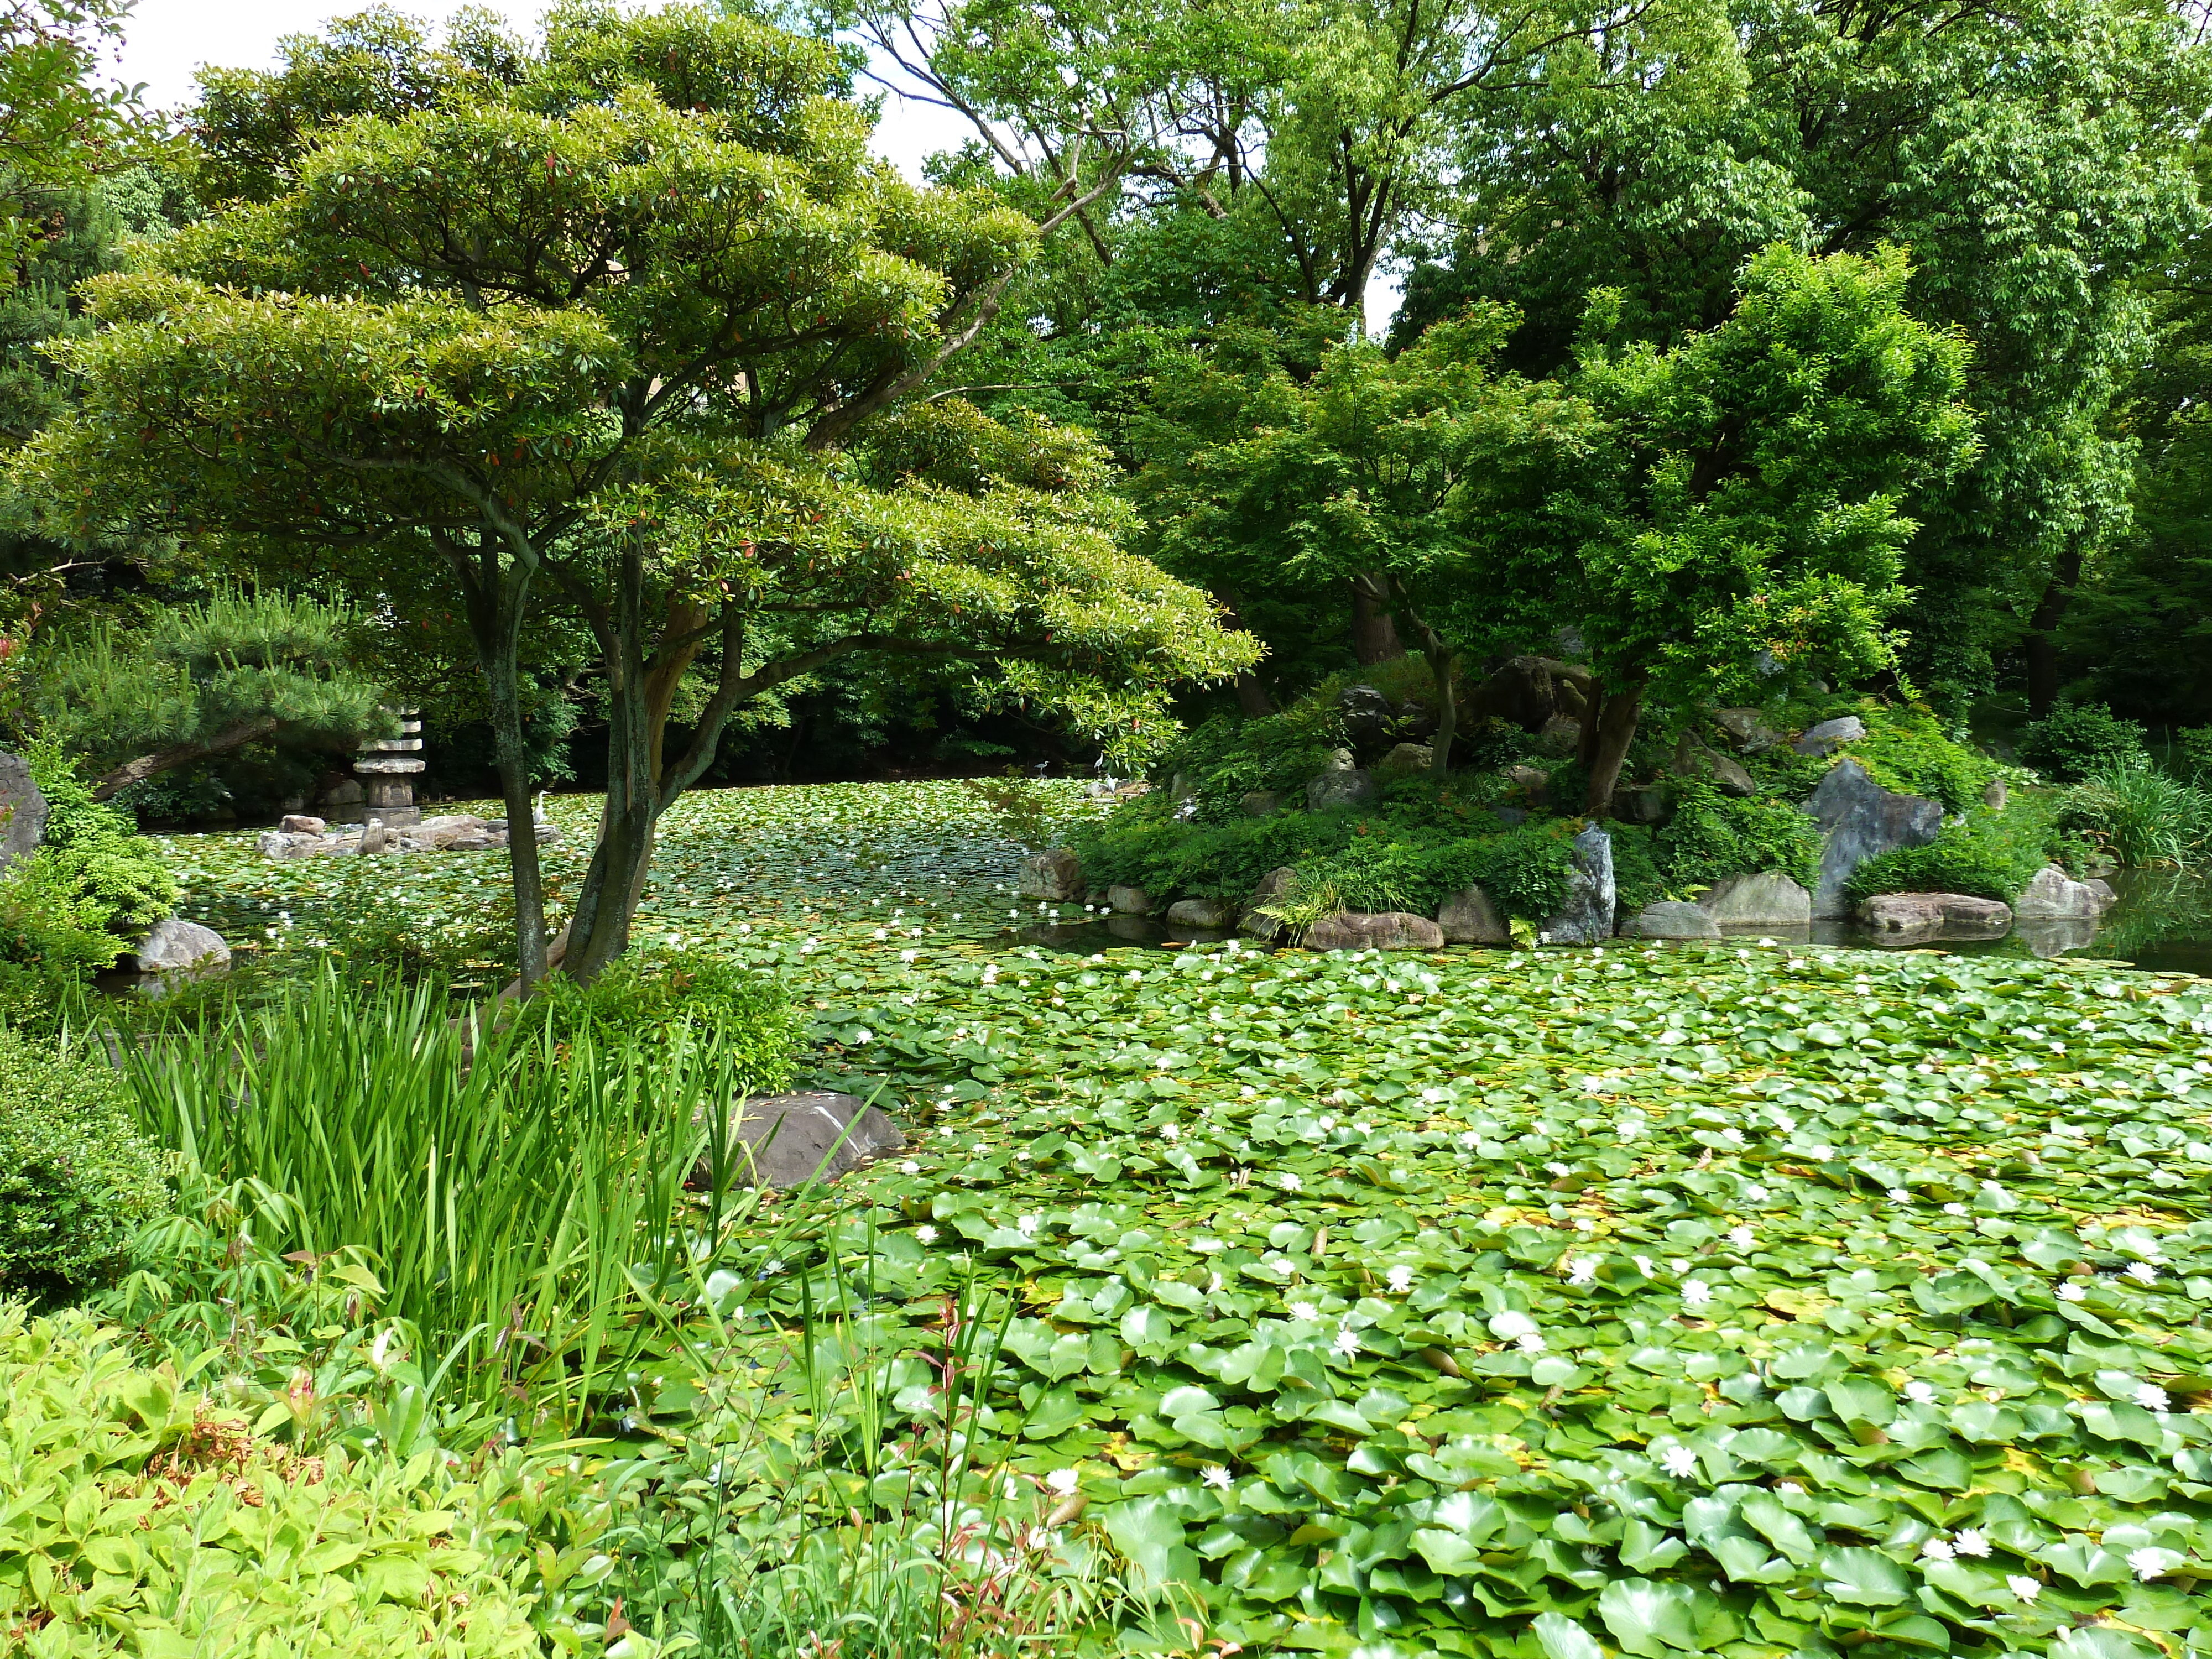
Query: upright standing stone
point(23, 811)
point(1586, 917)
point(1862, 818)
point(388, 767)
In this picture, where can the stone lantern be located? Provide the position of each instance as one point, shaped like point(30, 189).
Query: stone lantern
point(387, 768)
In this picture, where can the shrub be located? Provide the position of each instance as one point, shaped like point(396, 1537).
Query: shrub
point(1524, 869)
point(2193, 757)
point(2077, 738)
point(52, 939)
point(1991, 855)
point(1638, 879)
point(2142, 815)
point(76, 1176)
point(138, 1479)
point(1712, 835)
point(1906, 750)
point(747, 1014)
point(96, 853)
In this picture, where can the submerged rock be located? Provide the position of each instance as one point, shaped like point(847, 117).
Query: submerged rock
point(1382, 930)
point(1862, 818)
point(1955, 915)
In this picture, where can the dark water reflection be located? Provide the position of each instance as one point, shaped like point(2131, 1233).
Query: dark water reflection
point(2163, 922)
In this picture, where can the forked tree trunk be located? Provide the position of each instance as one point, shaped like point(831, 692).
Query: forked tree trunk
point(1616, 730)
point(1439, 656)
point(1373, 632)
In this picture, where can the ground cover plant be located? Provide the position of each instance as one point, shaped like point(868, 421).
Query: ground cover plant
point(1752, 1299)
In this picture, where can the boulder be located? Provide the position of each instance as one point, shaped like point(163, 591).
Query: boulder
point(1925, 916)
point(1526, 691)
point(1667, 919)
point(1468, 917)
point(1993, 794)
point(1129, 901)
point(788, 1140)
point(448, 832)
point(1416, 721)
point(1586, 917)
point(1694, 761)
point(1352, 788)
point(1862, 818)
point(1511, 816)
point(286, 844)
point(1182, 787)
point(2055, 895)
point(1408, 757)
point(1057, 875)
point(1204, 913)
point(299, 824)
point(374, 837)
point(1532, 781)
point(1261, 803)
point(2106, 899)
point(178, 946)
point(1276, 884)
point(23, 811)
point(344, 792)
point(1646, 803)
point(1382, 930)
point(1830, 735)
point(1768, 900)
point(1559, 736)
point(1747, 729)
point(1368, 716)
point(1341, 760)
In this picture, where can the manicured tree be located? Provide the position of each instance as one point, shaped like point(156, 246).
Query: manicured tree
point(609, 332)
point(1752, 513)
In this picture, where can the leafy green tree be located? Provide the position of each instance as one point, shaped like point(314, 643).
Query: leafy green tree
point(59, 124)
point(616, 334)
point(202, 680)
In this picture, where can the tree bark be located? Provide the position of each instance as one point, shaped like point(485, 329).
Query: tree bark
point(1439, 655)
point(1373, 632)
point(1616, 730)
point(2042, 644)
point(236, 735)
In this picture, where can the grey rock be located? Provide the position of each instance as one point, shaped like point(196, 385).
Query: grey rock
point(788, 1140)
point(1416, 719)
point(1468, 917)
point(1560, 737)
point(1646, 803)
point(1511, 817)
point(345, 792)
point(1926, 915)
point(1130, 901)
point(1532, 781)
point(1526, 691)
point(1767, 900)
point(1667, 919)
point(23, 811)
point(1341, 760)
point(178, 946)
point(1182, 787)
point(2056, 935)
point(1057, 875)
point(284, 844)
point(1408, 757)
point(1747, 729)
point(1382, 930)
point(2106, 899)
point(374, 837)
point(1261, 803)
point(1994, 795)
point(1830, 735)
point(1695, 761)
point(2054, 895)
point(1368, 716)
point(1352, 788)
point(1862, 818)
point(1586, 917)
point(299, 824)
point(1199, 913)
point(1278, 882)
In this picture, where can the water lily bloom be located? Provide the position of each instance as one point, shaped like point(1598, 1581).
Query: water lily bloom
point(1696, 1292)
point(1919, 1393)
point(926, 1233)
point(1510, 1325)
point(909, 1168)
point(1935, 1549)
point(1954, 1209)
point(1899, 1196)
point(1742, 1237)
point(2070, 1291)
point(1289, 1183)
point(2022, 1586)
point(1529, 1342)
point(2148, 1564)
point(1347, 1342)
point(1063, 1481)
point(1680, 1461)
point(2142, 1273)
point(1028, 1223)
point(1645, 1265)
point(1304, 1310)
point(1217, 1477)
point(2150, 1396)
point(1969, 1540)
point(1582, 1270)
point(1401, 1280)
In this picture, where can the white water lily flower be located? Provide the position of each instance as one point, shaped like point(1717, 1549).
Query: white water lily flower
point(1559, 1169)
point(1919, 1393)
point(926, 1233)
point(2142, 1273)
point(1582, 1270)
point(2150, 1396)
point(1954, 1209)
point(1971, 1540)
point(1347, 1342)
point(1645, 1266)
point(1756, 1193)
point(1289, 1183)
point(1680, 1461)
point(1401, 1280)
point(2022, 1586)
point(1063, 1481)
point(1304, 1310)
point(1696, 1292)
point(2070, 1291)
point(2149, 1563)
point(1529, 1342)
point(1899, 1196)
point(1742, 1237)
point(909, 1168)
point(1028, 1225)
point(1935, 1549)
point(1678, 1265)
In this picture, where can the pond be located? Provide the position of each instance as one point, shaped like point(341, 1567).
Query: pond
point(2163, 922)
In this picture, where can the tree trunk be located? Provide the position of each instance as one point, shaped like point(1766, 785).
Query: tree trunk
point(1616, 730)
point(236, 735)
point(1439, 656)
point(1374, 631)
point(2041, 643)
point(614, 881)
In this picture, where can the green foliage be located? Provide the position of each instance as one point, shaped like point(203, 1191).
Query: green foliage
point(194, 1523)
point(75, 1177)
point(1638, 877)
point(747, 1016)
point(2077, 738)
point(1031, 812)
point(53, 938)
point(1906, 750)
point(97, 852)
point(2140, 815)
point(2193, 758)
point(1991, 855)
point(1712, 835)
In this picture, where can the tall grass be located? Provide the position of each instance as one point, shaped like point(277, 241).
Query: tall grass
point(518, 1195)
point(2142, 816)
